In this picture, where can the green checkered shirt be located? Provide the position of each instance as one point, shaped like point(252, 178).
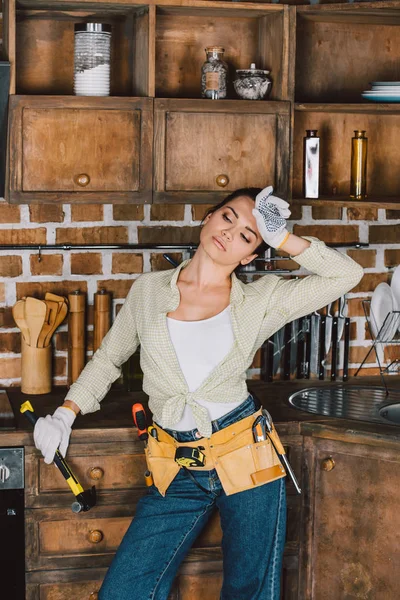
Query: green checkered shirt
point(258, 309)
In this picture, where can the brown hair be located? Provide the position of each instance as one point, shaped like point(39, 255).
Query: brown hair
point(249, 192)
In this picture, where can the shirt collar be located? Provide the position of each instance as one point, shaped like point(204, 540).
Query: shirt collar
point(168, 298)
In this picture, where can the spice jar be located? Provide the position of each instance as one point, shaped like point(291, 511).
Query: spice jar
point(92, 53)
point(214, 74)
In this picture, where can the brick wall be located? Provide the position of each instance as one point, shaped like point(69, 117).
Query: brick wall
point(22, 273)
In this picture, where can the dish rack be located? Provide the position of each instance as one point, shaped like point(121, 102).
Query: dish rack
point(390, 324)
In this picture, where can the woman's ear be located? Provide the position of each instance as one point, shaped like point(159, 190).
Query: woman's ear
point(248, 259)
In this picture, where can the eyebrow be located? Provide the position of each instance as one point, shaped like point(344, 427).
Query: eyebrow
point(237, 216)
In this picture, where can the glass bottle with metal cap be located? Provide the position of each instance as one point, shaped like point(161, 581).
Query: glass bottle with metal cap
point(358, 179)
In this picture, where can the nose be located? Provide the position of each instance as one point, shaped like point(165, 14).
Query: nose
point(226, 234)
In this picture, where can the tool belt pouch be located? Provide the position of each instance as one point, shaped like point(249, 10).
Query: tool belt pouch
point(240, 462)
point(243, 464)
point(160, 459)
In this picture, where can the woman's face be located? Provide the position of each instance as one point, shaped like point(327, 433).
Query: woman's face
point(230, 234)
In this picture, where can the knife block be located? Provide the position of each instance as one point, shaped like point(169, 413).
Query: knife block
point(35, 369)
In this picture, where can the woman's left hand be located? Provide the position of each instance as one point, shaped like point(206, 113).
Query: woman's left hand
point(271, 213)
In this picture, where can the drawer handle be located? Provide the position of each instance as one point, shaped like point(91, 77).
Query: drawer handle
point(95, 536)
point(96, 473)
point(83, 179)
point(222, 180)
point(328, 464)
point(94, 596)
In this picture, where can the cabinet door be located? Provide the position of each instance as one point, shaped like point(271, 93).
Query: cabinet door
point(354, 543)
point(80, 149)
point(205, 149)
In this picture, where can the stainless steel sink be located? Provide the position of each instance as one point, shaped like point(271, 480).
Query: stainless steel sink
point(391, 413)
point(360, 403)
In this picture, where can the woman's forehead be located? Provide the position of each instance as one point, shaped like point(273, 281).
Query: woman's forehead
point(243, 203)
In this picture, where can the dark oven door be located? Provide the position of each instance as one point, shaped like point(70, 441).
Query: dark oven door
point(12, 539)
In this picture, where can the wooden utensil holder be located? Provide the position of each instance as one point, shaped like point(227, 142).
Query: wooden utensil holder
point(35, 369)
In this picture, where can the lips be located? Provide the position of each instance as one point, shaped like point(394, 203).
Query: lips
point(218, 242)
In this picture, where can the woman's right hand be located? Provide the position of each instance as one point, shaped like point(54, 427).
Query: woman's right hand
point(53, 431)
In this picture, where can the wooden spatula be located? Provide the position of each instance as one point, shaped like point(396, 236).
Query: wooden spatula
point(62, 313)
point(35, 316)
point(18, 312)
point(52, 308)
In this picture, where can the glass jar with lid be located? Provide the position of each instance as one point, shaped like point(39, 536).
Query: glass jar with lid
point(92, 53)
point(214, 74)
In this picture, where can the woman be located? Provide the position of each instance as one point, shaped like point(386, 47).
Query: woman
point(199, 327)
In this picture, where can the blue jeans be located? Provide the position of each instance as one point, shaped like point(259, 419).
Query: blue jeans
point(164, 529)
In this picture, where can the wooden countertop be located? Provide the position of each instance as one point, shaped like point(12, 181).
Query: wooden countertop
point(116, 412)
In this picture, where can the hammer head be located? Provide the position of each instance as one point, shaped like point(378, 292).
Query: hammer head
point(85, 500)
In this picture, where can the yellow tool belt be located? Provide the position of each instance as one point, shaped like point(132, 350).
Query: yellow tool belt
point(240, 462)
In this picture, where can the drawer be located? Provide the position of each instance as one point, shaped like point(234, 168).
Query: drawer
point(83, 536)
point(61, 539)
point(69, 591)
point(106, 472)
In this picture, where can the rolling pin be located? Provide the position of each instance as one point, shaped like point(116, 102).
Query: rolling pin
point(76, 335)
point(102, 317)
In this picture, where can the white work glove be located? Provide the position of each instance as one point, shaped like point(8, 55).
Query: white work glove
point(271, 214)
point(53, 431)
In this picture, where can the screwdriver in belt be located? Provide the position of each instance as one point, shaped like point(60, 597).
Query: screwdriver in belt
point(139, 418)
point(269, 427)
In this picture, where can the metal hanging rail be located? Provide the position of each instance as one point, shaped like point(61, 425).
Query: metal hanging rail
point(188, 246)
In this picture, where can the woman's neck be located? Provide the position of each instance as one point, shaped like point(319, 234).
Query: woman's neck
point(204, 273)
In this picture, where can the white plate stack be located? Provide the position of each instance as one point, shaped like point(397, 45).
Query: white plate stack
point(385, 307)
point(383, 91)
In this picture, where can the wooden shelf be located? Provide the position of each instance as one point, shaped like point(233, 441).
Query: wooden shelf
point(373, 201)
point(364, 107)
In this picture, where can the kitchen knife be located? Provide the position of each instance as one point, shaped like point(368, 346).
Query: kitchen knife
point(321, 372)
point(314, 343)
point(334, 347)
point(287, 350)
point(346, 348)
point(267, 360)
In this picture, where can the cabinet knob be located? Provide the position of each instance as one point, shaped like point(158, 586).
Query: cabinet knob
point(94, 596)
point(83, 179)
point(328, 464)
point(96, 473)
point(95, 536)
point(222, 180)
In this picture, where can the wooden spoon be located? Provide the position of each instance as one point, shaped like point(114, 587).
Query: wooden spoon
point(18, 312)
point(52, 309)
point(35, 316)
point(62, 313)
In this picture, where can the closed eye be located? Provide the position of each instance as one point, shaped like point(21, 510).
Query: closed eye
point(225, 216)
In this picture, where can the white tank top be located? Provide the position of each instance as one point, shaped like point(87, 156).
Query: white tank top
point(200, 346)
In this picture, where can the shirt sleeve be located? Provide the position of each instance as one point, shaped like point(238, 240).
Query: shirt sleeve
point(104, 368)
point(334, 274)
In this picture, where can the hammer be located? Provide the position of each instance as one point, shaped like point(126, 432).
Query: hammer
point(84, 499)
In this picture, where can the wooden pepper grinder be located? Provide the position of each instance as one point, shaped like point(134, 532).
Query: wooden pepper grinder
point(76, 334)
point(102, 317)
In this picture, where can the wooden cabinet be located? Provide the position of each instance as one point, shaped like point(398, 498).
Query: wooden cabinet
point(111, 159)
point(237, 145)
point(352, 546)
point(157, 51)
point(320, 59)
point(67, 554)
point(340, 50)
